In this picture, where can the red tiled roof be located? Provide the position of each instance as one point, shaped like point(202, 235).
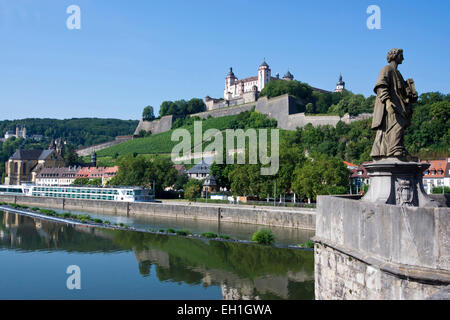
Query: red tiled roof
point(349, 164)
point(437, 169)
point(97, 172)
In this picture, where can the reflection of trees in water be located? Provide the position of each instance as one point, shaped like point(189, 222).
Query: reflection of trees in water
point(26, 233)
point(242, 271)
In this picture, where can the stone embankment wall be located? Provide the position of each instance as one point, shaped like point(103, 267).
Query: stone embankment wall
point(156, 126)
point(89, 150)
point(280, 217)
point(373, 251)
point(222, 112)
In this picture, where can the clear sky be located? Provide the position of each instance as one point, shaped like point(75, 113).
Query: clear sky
point(129, 54)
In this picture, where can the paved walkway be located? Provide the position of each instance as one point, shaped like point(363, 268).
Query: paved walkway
point(243, 206)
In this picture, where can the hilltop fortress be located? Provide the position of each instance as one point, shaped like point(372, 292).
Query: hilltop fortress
point(242, 95)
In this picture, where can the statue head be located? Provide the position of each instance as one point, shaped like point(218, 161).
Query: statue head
point(395, 55)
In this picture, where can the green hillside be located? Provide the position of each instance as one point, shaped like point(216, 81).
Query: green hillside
point(427, 137)
point(159, 143)
point(79, 132)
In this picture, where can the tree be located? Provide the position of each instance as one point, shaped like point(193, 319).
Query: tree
point(182, 107)
point(192, 189)
point(180, 181)
point(310, 108)
point(320, 175)
point(162, 172)
point(275, 88)
point(220, 172)
point(139, 171)
point(80, 182)
point(148, 114)
point(132, 171)
point(72, 158)
point(195, 105)
point(95, 182)
point(323, 101)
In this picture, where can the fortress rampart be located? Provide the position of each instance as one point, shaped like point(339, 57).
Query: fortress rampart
point(287, 110)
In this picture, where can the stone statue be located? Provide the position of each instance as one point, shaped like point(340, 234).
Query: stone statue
point(395, 177)
point(392, 111)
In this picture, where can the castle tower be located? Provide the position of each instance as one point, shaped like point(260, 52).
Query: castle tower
point(263, 75)
point(288, 76)
point(340, 86)
point(230, 80)
point(24, 132)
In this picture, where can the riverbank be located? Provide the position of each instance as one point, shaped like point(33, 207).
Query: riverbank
point(304, 218)
point(52, 216)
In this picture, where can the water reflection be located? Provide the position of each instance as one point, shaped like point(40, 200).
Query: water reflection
point(241, 231)
point(241, 271)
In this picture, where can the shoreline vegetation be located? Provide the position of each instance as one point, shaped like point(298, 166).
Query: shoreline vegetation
point(87, 220)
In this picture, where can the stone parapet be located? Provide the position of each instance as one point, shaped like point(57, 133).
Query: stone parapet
point(401, 252)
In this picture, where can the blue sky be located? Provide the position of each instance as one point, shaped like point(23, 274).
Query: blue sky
point(129, 54)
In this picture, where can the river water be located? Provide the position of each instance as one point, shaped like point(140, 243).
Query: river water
point(113, 264)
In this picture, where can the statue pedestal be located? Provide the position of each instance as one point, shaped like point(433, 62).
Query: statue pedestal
point(397, 182)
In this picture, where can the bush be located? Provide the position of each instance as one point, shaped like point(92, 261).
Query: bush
point(161, 230)
point(209, 235)
point(263, 236)
point(308, 244)
point(48, 212)
point(170, 230)
point(35, 209)
point(223, 236)
point(183, 232)
point(98, 220)
point(438, 190)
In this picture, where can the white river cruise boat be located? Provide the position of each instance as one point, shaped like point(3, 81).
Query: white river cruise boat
point(121, 194)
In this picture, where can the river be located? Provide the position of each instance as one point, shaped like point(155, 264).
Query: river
point(113, 264)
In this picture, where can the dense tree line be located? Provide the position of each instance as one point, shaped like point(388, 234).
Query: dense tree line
point(156, 172)
point(79, 132)
point(320, 102)
point(311, 157)
point(307, 176)
point(181, 108)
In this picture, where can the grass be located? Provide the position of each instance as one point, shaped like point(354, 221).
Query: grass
point(160, 143)
point(209, 235)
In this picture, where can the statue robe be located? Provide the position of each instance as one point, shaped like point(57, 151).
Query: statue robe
point(390, 127)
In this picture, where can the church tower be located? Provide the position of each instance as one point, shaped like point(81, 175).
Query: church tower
point(60, 147)
point(340, 86)
point(263, 75)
